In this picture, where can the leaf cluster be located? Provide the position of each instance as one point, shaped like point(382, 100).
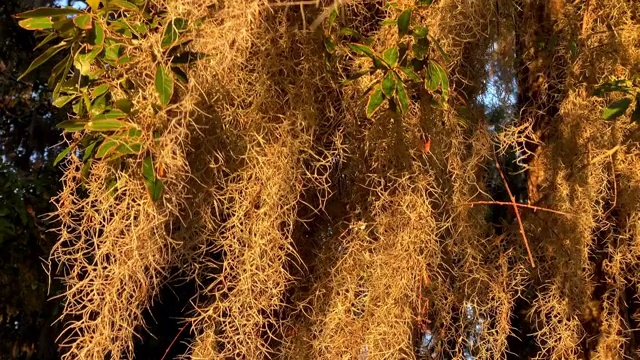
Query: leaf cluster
point(96, 43)
point(617, 108)
point(398, 67)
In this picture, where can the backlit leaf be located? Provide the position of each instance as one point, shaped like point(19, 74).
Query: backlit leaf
point(390, 56)
point(389, 84)
point(63, 100)
point(147, 168)
point(97, 38)
point(164, 85)
point(404, 21)
point(48, 54)
point(48, 11)
point(106, 148)
point(99, 90)
point(616, 109)
point(94, 4)
point(121, 4)
point(39, 23)
point(107, 125)
point(62, 155)
point(403, 98)
point(71, 126)
point(375, 101)
point(420, 32)
point(83, 22)
point(46, 40)
point(99, 105)
point(111, 115)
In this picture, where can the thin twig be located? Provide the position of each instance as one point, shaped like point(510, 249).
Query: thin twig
point(515, 208)
point(535, 208)
point(174, 340)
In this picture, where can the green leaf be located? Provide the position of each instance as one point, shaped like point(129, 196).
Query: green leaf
point(46, 40)
point(48, 54)
point(404, 21)
point(419, 32)
point(389, 84)
point(155, 189)
point(63, 100)
point(425, 2)
point(48, 11)
point(97, 38)
point(390, 56)
point(93, 4)
point(361, 49)
point(62, 155)
point(355, 77)
point(402, 96)
point(83, 22)
point(99, 105)
point(434, 76)
point(164, 85)
point(349, 32)
point(389, 22)
point(107, 125)
point(444, 55)
point(329, 45)
point(125, 105)
point(332, 16)
point(71, 126)
point(616, 109)
point(110, 115)
point(411, 74)
point(106, 148)
point(121, 4)
point(171, 33)
point(99, 90)
point(39, 23)
point(147, 169)
point(88, 152)
point(375, 101)
point(623, 85)
point(421, 49)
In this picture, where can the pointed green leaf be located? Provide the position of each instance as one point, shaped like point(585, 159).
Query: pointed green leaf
point(355, 77)
point(39, 23)
point(93, 4)
point(99, 105)
point(48, 54)
point(444, 55)
point(106, 148)
point(63, 100)
point(121, 4)
point(332, 16)
point(83, 21)
point(62, 155)
point(389, 22)
point(88, 152)
point(147, 169)
point(125, 105)
point(404, 21)
point(164, 85)
point(111, 115)
point(375, 101)
point(46, 40)
point(170, 35)
point(411, 74)
point(425, 2)
point(329, 45)
point(616, 109)
point(419, 32)
point(390, 56)
point(99, 90)
point(361, 49)
point(389, 84)
point(349, 32)
point(71, 126)
point(97, 38)
point(403, 98)
point(155, 189)
point(107, 125)
point(434, 76)
point(445, 85)
point(48, 11)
